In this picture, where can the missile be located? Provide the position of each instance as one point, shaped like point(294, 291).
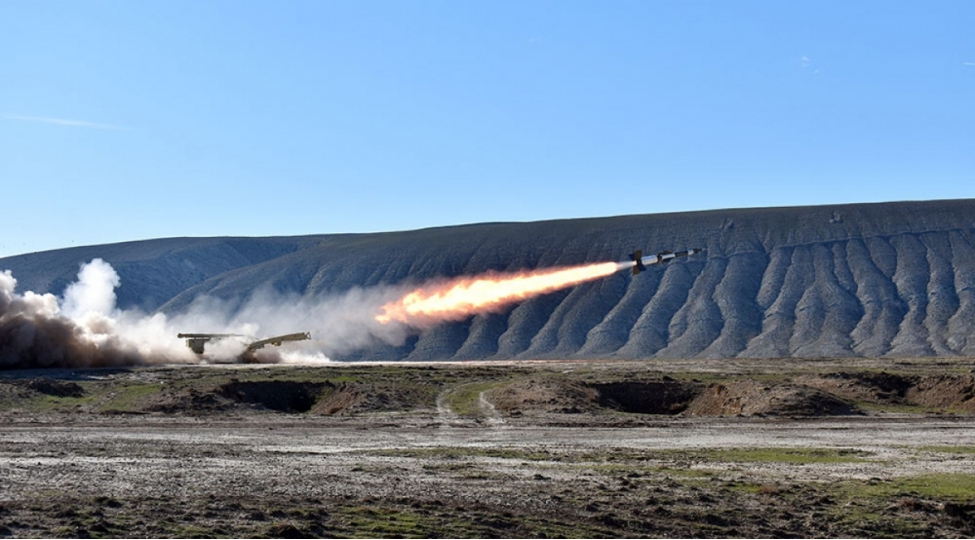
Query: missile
point(663, 257)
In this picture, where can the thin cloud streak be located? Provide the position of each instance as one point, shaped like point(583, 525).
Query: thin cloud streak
point(63, 122)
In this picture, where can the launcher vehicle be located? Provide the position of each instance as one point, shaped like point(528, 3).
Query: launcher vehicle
point(197, 342)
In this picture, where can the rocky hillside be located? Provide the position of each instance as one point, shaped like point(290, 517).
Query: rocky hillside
point(893, 279)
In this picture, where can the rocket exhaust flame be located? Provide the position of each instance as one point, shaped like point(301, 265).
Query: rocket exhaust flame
point(85, 328)
point(464, 296)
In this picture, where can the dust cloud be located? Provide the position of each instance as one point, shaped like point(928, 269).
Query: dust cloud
point(85, 328)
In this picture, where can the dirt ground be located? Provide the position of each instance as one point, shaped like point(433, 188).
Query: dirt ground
point(766, 448)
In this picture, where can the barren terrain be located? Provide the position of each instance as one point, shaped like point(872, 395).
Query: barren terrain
point(712, 448)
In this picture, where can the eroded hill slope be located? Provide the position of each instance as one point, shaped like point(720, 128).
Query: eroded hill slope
point(893, 279)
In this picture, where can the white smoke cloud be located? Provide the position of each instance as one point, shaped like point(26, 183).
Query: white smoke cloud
point(85, 328)
point(94, 292)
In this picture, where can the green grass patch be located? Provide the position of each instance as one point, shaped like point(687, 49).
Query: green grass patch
point(129, 398)
point(786, 455)
point(949, 449)
point(883, 508)
point(903, 408)
point(439, 521)
point(465, 400)
point(941, 486)
point(960, 487)
point(379, 522)
point(47, 403)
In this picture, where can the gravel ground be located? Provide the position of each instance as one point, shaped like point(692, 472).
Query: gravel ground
point(434, 472)
point(164, 470)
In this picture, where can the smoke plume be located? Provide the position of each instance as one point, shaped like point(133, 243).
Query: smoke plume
point(38, 330)
point(84, 328)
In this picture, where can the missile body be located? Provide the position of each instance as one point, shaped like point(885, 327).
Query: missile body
point(663, 257)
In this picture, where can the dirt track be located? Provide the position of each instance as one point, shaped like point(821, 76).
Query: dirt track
point(452, 462)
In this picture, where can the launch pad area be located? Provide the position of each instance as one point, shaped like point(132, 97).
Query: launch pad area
point(514, 449)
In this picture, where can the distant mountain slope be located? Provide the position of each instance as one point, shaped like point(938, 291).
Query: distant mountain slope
point(892, 279)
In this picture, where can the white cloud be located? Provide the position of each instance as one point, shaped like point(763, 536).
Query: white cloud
point(970, 64)
point(62, 122)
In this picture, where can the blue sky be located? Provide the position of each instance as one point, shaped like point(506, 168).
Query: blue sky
point(124, 120)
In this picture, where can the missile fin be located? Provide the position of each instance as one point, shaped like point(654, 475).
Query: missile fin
point(637, 257)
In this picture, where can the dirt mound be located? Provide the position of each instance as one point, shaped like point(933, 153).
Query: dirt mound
point(659, 396)
point(284, 396)
point(288, 397)
point(281, 396)
point(55, 388)
point(935, 391)
point(874, 387)
point(190, 401)
point(944, 392)
point(544, 395)
point(350, 398)
point(343, 398)
point(749, 397)
point(665, 396)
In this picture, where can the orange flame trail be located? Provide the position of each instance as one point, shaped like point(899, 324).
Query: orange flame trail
point(465, 296)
